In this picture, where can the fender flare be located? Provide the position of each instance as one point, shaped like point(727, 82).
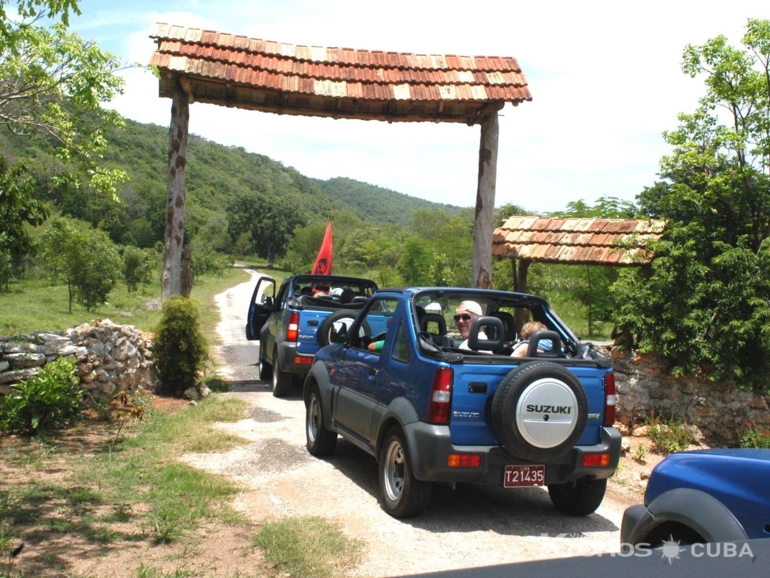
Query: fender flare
point(693, 508)
point(319, 376)
point(400, 411)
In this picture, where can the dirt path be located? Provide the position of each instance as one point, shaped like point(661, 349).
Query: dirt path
point(467, 527)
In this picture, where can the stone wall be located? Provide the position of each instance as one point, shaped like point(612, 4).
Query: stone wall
point(717, 409)
point(110, 358)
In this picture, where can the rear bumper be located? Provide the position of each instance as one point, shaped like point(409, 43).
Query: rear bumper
point(291, 361)
point(430, 446)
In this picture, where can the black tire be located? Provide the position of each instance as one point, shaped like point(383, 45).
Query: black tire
point(265, 369)
point(330, 327)
point(320, 441)
point(672, 531)
point(578, 498)
point(403, 495)
point(539, 411)
point(281, 380)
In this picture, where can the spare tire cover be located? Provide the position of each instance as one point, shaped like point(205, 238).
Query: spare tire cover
point(539, 411)
point(331, 330)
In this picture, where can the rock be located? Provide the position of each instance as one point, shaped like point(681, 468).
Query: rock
point(22, 360)
point(625, 445)
point(192, 393)
point(20, 347)
point(154, 305)
point(108, 389)
point(203, 389)
point(697, 435)
point(640, 431)
point(18, 375)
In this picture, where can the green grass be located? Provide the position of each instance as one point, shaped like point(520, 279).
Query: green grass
point(35, 305)
point(144, 469)
point(308, 547)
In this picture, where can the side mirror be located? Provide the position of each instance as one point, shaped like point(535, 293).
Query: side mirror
point(268, 302)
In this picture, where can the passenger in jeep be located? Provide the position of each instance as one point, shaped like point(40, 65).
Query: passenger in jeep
point(465, 313)
point(526, 332)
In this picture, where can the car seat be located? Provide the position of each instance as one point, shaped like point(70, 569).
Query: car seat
point(435, 325)
point(509, 325)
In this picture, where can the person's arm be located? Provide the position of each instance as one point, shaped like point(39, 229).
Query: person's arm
point(520, 349)
point(376, 345)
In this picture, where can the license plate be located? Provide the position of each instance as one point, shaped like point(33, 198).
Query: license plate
point(523, 476)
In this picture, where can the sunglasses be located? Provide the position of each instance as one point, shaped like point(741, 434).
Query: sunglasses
point(464, 317)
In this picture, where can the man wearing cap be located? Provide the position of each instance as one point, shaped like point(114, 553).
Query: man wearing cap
point(465, 313)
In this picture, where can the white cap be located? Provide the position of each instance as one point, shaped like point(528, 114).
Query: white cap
point(470, 307)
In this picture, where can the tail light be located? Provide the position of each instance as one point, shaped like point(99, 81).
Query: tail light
point(293, 332)
point(441, 397)
point(609, 399)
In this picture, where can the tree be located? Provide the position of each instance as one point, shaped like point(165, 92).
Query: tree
point(139, 266)
point(84, 258)
point(17, 209)
point(707, 301)
point(270, 222)
point(52, 84)
point(415, 262)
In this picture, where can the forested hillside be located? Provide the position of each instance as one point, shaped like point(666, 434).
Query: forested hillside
point(215, 175)
point(378, 204)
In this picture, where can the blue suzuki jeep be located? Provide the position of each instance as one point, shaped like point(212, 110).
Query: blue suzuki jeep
point(432, 407)
point(700, 496)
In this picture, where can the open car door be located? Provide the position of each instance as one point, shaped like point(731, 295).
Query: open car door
point(260, 306)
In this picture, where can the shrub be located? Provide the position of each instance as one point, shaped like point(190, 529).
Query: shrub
point(180, 349)
point(51, 400)
point(755, 437)
point(206, 261)
point(667, 434)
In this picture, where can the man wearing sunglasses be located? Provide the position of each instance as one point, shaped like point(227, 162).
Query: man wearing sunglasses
point(465, 313)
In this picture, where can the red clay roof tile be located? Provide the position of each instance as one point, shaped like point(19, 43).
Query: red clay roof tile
point(573, 240)
point(454, 88)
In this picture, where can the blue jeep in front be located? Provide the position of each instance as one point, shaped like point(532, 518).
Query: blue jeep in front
point(431, 407)
point(701, 496)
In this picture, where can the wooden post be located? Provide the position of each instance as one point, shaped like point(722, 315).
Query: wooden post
point(521, 287)
point(481, 268)
point(175, 196)
point(187, 272)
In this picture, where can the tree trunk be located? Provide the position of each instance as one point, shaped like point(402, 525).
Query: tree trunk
point(521, 287)
point(187, 272)
point(175, 197)
point(481, 271)
point(590, 302)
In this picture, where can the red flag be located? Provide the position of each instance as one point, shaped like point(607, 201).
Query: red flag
point(323, 263)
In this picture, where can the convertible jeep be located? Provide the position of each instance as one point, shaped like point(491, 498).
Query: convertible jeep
point(433, 407)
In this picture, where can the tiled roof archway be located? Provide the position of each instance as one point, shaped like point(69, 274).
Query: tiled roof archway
point(282, 78)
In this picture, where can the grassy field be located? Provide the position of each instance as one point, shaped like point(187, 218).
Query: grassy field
point(35, 304)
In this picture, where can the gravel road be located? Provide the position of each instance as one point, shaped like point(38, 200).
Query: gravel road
point(469, 526)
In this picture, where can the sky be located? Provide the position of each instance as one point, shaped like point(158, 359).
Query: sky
point(605, 79)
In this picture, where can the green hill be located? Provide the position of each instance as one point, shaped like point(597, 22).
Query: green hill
point(378, 204)
point(214, 174)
